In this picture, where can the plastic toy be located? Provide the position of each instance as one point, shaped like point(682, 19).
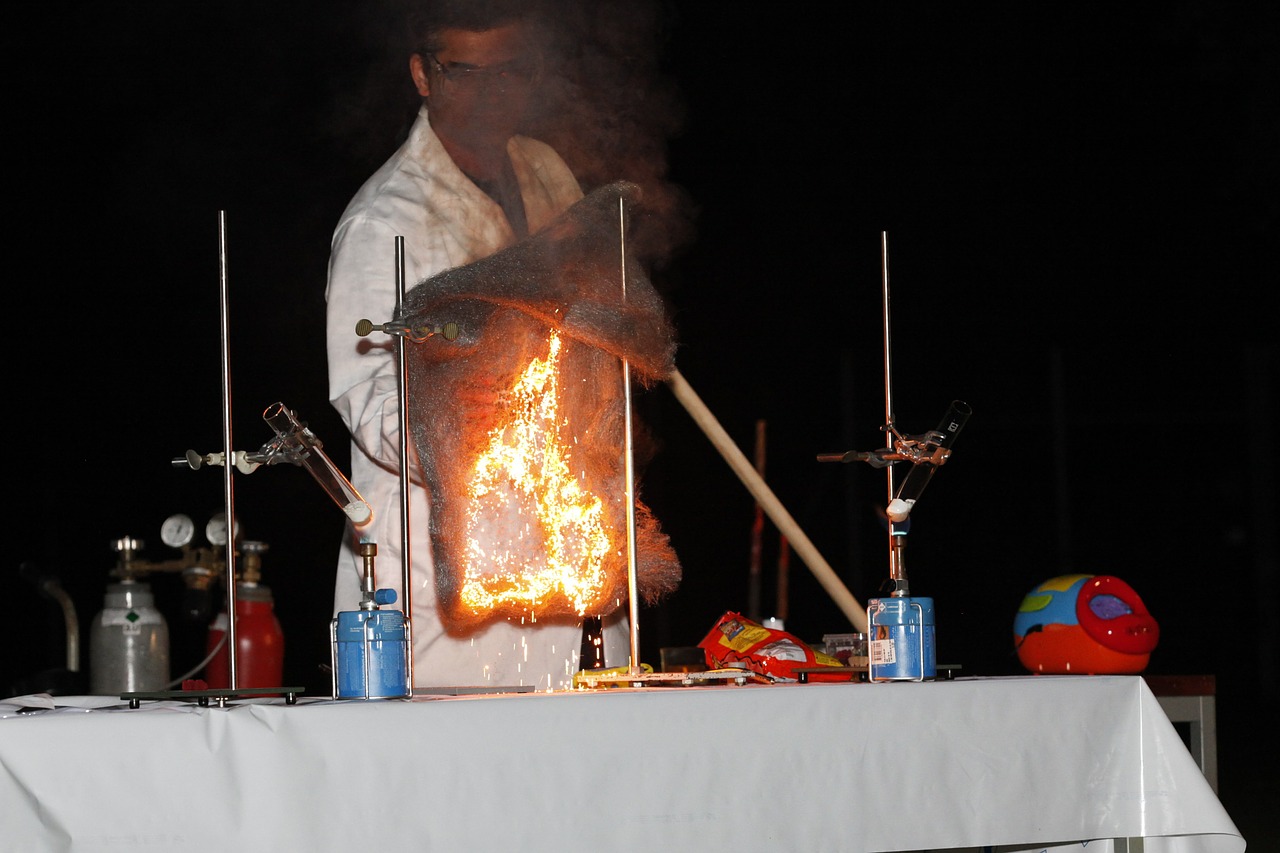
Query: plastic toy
point(1084, 624)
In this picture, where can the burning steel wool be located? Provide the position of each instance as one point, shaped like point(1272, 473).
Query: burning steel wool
point(519, 422)
point(525, 479)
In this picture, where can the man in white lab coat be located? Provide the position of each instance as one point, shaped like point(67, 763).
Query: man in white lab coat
point(463, 186)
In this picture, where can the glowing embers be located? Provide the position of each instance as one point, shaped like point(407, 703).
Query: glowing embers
point(534, 534)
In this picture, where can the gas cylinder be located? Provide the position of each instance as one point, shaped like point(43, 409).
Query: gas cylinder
point(259, 638)
point(129, 642)
point(370, 646)
point(903, 639)
point(370, 651)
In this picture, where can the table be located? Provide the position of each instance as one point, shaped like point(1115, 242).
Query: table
point(1192, 700)
point(973, 762)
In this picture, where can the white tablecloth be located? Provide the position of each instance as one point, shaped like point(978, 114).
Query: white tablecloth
point(1031, 761)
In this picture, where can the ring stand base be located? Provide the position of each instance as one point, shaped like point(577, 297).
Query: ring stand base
point(473, 690)
point(220, 696)
point(623, 678)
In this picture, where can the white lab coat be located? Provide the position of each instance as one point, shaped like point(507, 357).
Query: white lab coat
point(446, 221)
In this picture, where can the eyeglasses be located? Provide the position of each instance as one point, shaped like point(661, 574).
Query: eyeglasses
point(505, 77)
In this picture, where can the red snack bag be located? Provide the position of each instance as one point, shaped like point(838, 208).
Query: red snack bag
point(775, 654)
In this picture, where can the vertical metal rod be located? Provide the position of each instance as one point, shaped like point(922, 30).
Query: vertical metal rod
point(896, 571)
point(229, 454)
point(633, 594)
point(402, 384)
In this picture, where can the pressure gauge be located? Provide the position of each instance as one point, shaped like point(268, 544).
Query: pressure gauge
point(216, 530)
point(177, 531)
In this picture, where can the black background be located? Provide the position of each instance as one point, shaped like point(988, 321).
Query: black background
point(1080, 205)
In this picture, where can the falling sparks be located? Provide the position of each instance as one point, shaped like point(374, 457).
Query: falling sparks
point(533, 531)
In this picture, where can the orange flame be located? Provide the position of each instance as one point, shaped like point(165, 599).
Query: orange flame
point(533, 531)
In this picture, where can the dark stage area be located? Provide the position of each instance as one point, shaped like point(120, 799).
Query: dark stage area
point(1082, 225)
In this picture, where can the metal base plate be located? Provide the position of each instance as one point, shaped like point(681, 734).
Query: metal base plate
point(614, 678)
point(473, 690)
point(218, 695)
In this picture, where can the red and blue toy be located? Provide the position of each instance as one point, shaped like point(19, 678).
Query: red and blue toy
point(1084, 624)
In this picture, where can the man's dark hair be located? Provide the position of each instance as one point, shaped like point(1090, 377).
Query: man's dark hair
point(428, 19)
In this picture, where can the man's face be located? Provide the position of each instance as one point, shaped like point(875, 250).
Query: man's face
point(477, 86)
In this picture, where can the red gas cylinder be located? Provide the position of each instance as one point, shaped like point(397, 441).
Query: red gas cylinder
point(259, 642)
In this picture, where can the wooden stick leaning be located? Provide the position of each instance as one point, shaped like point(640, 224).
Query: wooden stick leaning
point(755, 484)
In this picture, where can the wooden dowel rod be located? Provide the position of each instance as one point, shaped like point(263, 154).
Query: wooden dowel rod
point(755, 484)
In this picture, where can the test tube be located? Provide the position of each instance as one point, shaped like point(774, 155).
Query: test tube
point(310, 456)
point(921, 472)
